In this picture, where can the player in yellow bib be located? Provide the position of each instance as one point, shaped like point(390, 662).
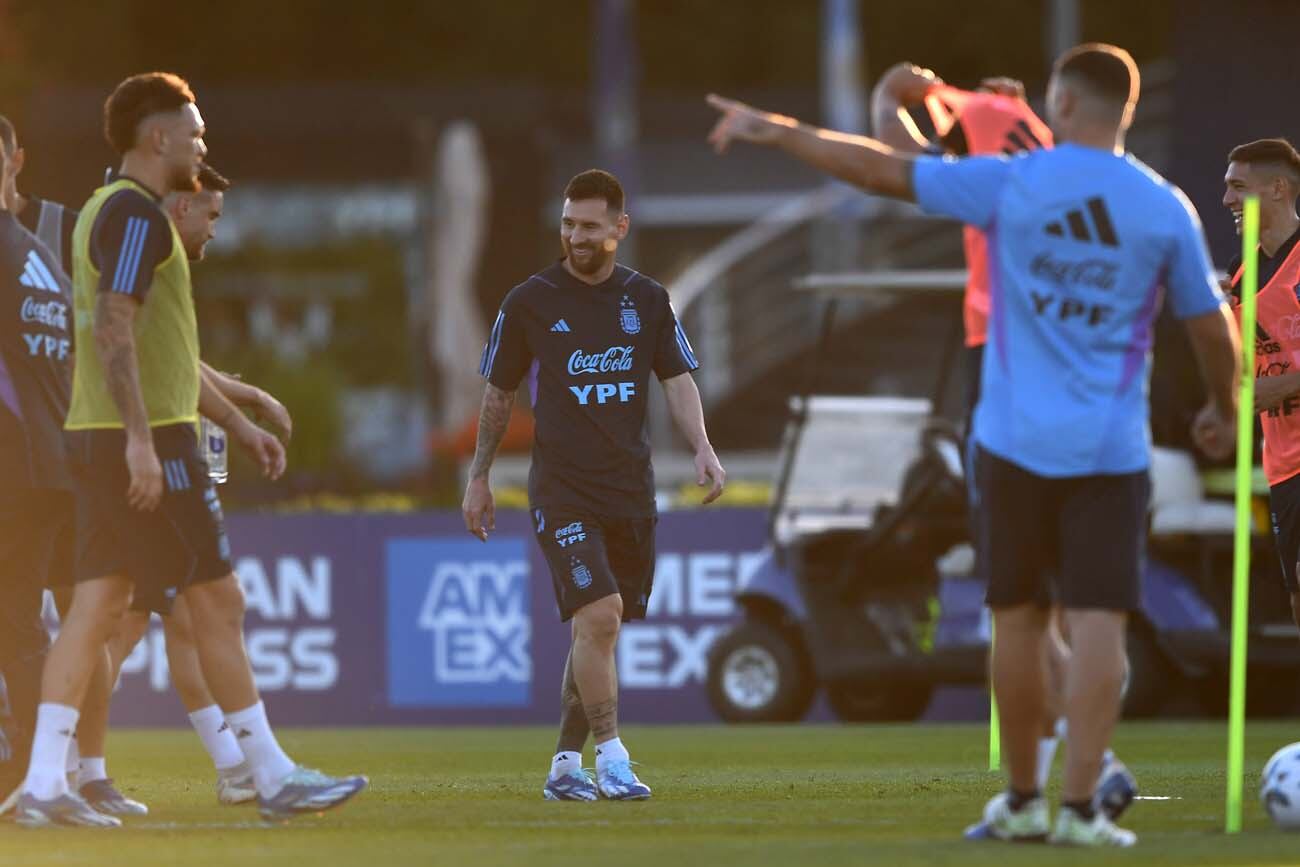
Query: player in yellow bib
point(149, 521)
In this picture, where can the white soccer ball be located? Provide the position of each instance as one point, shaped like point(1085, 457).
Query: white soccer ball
point(1279, 788)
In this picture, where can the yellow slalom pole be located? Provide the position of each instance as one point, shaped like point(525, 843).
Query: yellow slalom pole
point(995, 734)
point(1241, 539)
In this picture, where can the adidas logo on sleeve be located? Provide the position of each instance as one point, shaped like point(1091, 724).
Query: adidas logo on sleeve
point(561, 327)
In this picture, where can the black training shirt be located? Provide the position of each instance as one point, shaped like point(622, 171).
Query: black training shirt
point(35, 340)
point(31, 220)
point(590, 351)
point(1267, 265)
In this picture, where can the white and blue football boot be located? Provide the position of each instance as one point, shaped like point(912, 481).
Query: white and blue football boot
point(575, 786)
point(308, 791)
point(617, 782)
point(69, 809)
point(1116, 787)
point(1030, 824)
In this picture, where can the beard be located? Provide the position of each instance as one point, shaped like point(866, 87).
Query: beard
point(597, 256)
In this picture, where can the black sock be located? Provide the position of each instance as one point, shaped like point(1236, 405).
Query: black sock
point(1084, 808)
point(1016, 800)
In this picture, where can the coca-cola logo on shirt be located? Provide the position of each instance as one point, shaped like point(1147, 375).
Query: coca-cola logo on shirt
point(51, 314)
point(616, 359)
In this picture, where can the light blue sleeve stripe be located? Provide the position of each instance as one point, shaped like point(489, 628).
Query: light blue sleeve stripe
point(134, 266)
point(123, 253)
point(686, 347)
point(495, 343)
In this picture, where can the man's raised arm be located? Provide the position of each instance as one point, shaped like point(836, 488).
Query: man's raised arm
point(864, 162)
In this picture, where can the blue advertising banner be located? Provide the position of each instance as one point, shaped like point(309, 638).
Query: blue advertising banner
point(393, 619)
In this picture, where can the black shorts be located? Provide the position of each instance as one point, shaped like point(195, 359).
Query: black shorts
point(32, 521)
point(180, 543)
point(1078, 542)
point(1284, 503)
point(63, 561)
point(591, 558)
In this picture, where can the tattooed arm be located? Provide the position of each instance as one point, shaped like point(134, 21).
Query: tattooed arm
point(478, 507)
point(115, 343)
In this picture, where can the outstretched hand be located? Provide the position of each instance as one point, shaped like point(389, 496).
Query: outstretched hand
point(740, 122)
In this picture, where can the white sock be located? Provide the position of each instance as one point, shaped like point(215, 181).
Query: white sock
point(47, 775)
point(218, 737)
point(73, 766)
point(611, 750)
point(91, 769)
point(565, 763)
point(1046, 753)
point(268, 762)
point(1062, 729)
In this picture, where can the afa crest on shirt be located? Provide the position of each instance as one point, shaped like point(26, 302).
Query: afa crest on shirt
point(628, 317)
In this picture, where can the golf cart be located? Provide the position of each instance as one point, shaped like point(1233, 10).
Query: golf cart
point(868, 589)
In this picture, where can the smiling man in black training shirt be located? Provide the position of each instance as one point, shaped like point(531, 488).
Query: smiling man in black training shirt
point(590, 332)
point(35, 497)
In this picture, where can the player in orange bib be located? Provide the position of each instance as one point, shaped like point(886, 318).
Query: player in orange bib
point(993, 119)
point(1270, 169)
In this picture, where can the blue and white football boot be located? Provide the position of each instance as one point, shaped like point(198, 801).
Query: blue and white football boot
point(1116, 787)
point(1030, 824)
point(308, 791)
point(574, 786)
point(617, 782)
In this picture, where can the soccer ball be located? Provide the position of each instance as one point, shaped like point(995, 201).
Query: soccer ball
point(1279, 788)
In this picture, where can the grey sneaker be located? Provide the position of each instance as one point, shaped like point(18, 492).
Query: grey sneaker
point(1074, 830)
point(31, 812)
point(308, 791)
point(104, 797)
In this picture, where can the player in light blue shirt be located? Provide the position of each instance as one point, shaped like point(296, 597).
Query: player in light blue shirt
point(1082, 240)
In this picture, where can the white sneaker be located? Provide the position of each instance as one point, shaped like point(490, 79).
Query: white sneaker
point(1028, 824)
point(236, 786)
point(1074, 830)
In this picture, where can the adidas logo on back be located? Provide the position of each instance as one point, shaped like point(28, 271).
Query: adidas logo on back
point(36, 274)
point(561, 326)
point(1077, 223)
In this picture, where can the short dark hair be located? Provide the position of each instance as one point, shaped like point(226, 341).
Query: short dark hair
point(139, 97)
point(596, 184)
point(1272, 151)
point(1107, 70)
point(211, 180)
point(8, 135)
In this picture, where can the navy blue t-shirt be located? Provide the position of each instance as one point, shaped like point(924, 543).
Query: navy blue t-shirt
point(35, 341)
point(590, 351)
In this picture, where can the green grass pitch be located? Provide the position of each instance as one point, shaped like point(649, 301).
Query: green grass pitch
point(788, 795)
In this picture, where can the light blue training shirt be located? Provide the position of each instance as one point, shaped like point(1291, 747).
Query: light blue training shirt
point(1081, 242)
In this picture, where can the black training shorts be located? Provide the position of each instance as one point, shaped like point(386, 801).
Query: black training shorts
point(591, 558)
point(1079, 542)
point(1284, 503)
point(182, 542)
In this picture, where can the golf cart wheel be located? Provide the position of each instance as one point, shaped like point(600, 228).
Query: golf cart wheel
point(756, 674)
point(895, 702)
